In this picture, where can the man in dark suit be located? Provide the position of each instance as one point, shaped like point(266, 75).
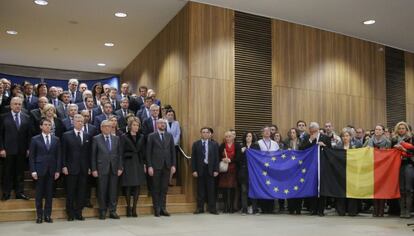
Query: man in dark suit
point(45, 165)
point(76, 167)
point(145, 112)
point(62, 108)
point(205, 163)
point(15, 134)
point(36, 114)
point(3, 99)
point(30, 101)
point(104, 116)
point(53, 96)
point(161, 161)
point(124, 92)
point(316, 138)
point(107, 167)
point(112, 99)
point(68, 122)
point(123, 112)
point(149, 125)
point(75, 95)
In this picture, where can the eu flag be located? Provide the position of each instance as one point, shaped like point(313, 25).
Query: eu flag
point(283, 174)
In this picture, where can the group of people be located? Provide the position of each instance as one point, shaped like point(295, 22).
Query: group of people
point(78, 135)
point(232, 183)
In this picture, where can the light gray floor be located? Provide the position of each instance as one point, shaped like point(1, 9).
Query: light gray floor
point(200, 225)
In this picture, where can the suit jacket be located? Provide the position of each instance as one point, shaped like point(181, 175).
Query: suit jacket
point(197, 157)
point(76, 155)
point(98, 120)
point(15, 141)
point(33, 103)
point(60, 111)
point(67, 123)
point(98, 110)
point(116, 106)
point(58, 102)
point(175, 131)
point(322, 138)
point(103, 159)
point(142, 114)
point(4, 103)
point(160, 153)
point(81, 106)
point(122, 123)
point(41, 160)
point(35, 116)
point(91, 131)
point(78, 97)
point(147, 126)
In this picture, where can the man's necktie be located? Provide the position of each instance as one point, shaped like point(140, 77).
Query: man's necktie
point(16, 120)
point(47, 142)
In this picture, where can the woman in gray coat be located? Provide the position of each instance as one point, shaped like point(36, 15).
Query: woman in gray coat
point(134, 168)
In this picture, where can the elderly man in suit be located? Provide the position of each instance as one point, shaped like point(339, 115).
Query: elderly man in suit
point(205, 164)
point(76, 167)
point(15, 134)
point(107, 167)
point(161, 161)
point(62, 108)
point(75, 95)
point(68, 122)
point(45, 164)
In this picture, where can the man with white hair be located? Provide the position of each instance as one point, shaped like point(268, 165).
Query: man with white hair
point(83, 87)
point(7, 84)
point(72, 111)
point(316, 138)
point(73, 90)
point(53, 96)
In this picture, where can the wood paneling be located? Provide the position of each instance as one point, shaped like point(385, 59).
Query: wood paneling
point(323, 76)
point(211, 69)
point(409, 88)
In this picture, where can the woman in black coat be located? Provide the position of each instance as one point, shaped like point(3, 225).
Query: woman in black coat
point(134, 169)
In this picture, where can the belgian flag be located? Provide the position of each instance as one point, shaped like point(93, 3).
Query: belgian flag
point(362, 173)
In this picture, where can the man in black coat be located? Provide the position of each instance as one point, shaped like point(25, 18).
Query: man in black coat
point(15, 134)
point(76, 167)
point(149, 125)
point(316, 138)
point(45, 165)
point(161, 161)
point(123, 112)
point(205, 164)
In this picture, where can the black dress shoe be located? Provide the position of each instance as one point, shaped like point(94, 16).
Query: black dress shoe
point(102, 216)
point(164, 213)
point(48, 219)
point(157, 213)
point(113, 215)
point(134, 212)
point(71, 218)
point(39, 220)
point(22, 196)
point(214, 212)
point(80, 218)
point(5, 197)
point(198, 211)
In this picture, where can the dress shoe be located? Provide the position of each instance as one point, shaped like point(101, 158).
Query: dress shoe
point(81, 218)
point(199, 211)
point(214, 212)
point(22, 196)
point(71, 218)
point(157, 213)
point(39, 220)
point(164, 213)
point(113, 215)
point(128, 211)
point(134, 212)
point(5, 197)
point(102, 216)
point(48, 219)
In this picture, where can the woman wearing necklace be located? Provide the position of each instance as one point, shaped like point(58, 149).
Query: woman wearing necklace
point(249, 141)
point(344, 205)
point(402, 133)
point(378, 140)
point(230, 153)
point(134, 168)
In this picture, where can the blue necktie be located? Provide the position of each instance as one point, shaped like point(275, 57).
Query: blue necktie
point(16, 120)
point(108, 143)
point(47, 142)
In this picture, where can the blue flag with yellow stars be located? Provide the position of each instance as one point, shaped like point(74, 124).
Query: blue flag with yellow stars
point(283, 174)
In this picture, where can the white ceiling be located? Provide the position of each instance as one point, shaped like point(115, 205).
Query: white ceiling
point(49, 38)
point(46, 38)
point(394, 18)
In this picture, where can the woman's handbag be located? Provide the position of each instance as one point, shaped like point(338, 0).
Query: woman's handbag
point(224, 166)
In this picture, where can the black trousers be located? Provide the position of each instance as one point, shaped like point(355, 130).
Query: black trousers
point(159, 190)
point(206, 190)
point(344, 205)
point(295, 205)
point(107, 192)
point(90, 184)
point(13, 174)
point(44, 189)
point(318, 205)
point(76, 194)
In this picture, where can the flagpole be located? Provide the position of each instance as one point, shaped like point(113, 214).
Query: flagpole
point(319, 170)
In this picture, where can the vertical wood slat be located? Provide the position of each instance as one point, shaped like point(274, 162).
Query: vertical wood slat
point(253, 72)
point(395, 86)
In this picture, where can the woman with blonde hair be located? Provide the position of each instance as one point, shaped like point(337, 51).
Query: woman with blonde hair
point(49, 112)
point(230, 153)
point(402, 133)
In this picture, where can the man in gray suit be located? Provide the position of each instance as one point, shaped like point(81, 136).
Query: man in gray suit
point(161, 162)
point(107, 167)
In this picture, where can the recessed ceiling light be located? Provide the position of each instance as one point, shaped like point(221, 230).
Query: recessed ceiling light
point(109, 44)
point(121, 14)
point(11, 32)
point(41, 2)
point(101, 64)
point(369, 22)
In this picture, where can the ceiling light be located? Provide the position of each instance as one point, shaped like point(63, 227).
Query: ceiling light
point(101, 64)
point(11, 32)
point(109, 44)
point(41, 2)
point(369, 22)
point(121, 14)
